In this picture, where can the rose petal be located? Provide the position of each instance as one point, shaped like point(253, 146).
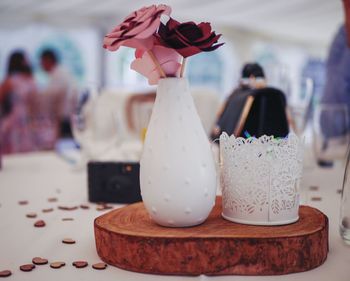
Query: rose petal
point(164, 54)
point(116, 34)
point(189, 51)
point(150, 30)
point(172, 24)
point(146, 13)
point(190, 31)
point(171, 68)
point(139, 53)
point(141, 14)
point(166, 10)
point(143, 44)
point(146, 68)
point(111, 44)
point(212, 48)
point(143, 27)
point(142, 66)
point(205, 27)
point(153, 78)
point(168, 59)
point(175, 41)
point(207, 43)
point(206, 31)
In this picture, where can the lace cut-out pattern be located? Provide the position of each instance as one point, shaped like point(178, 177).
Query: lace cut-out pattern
point(260, 176)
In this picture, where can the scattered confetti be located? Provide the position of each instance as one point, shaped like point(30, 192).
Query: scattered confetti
point(39, 223)
point(67, 208)
point(314, 188)
point(68, 219)
point(68, 241)
point(80, 264)
point(84, 206)
point(57, 264)
point(27, 267)
point(39, 261)
point(103, 207)
point(31, 215)
point(5, 273)
point(23, 202)
point(99, 266)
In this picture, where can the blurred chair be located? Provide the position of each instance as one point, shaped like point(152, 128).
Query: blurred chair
point(254, 112)
point(207, 104)
point(263, 113)
point(99, 127)
point(138, 110)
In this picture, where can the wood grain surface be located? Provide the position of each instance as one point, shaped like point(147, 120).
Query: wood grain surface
point(129, 239)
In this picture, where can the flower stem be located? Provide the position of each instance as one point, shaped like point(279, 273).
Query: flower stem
point(155, 61)
point(183, 67)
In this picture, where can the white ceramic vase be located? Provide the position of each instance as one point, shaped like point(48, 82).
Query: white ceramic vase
point(177, 173)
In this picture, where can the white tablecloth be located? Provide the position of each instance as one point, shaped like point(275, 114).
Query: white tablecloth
point(39, 176)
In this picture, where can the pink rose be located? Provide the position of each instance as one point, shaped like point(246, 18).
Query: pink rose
point(137, 30)
point(168, 59)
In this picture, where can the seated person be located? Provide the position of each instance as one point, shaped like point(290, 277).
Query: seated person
point(253, 109)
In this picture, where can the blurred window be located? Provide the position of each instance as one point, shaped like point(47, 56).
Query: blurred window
point(205, 70)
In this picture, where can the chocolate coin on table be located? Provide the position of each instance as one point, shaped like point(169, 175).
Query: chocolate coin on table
point(39, 261)
point(103, 207)
point(316, 198)
point(48, 210)
point(57, 264)
point(68, 241)
point(80, 264)
point(52, 199)
point(39, 223)
point(5, 273)
point(67, 219)
point(23, 202)
point(67, 208)
point(99, 266)
point(31, 215)
point(27, 267)
point(83, 206)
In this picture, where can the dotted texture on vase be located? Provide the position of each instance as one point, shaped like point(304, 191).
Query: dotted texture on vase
point(177, 171)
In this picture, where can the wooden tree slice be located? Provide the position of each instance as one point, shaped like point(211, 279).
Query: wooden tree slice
point(129, 239)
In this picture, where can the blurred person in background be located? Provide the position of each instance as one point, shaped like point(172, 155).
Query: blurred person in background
point(337, 87)
point(59, 92)
point(17, 99)
point(252, 77)
point(262, 109)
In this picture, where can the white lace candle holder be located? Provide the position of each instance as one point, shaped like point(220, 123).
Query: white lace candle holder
point(260, 179)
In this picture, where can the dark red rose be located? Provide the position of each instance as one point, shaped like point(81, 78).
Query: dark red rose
point(188, 38)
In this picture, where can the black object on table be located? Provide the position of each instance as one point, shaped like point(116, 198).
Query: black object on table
point(114, 182)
